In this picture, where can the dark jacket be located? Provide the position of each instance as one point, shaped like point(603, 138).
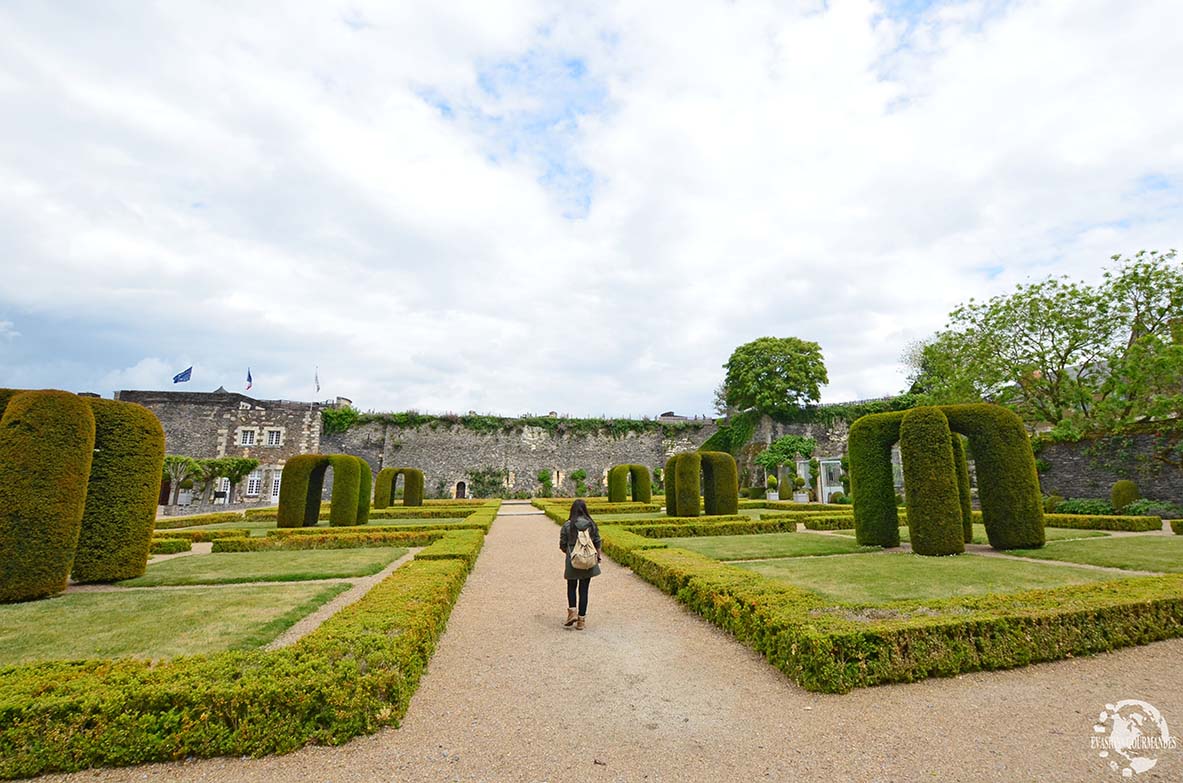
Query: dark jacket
point(568, 535)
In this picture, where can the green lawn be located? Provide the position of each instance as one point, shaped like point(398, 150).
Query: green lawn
point(1140, 553)
point(1051, 533)
point(766, 545)
point(154, 623)
point(290, 566)
point(897, 576)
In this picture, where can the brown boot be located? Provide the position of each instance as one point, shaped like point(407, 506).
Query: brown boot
point(572, 614)
point(579, 623)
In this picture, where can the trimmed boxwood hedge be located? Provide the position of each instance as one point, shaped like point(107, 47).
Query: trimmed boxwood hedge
point(618, 484)
point(703, 528)
point(170, 523)
point(170, 546)
point(671, 489)
point(1098, 522)
point(686, 478)
point(346, 489)
point(384, 486)
point(930, 481)
point(1177, 527)
point(202, 536)
point(963, 488)
point(300, 490)
point(365, 489)
point(872, 485)
point(46, 449)
point(361, 540)
point(122, 492)
point(720, 481)
point(1122, 494)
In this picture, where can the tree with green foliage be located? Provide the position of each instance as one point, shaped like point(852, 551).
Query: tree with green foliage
point(784, 450)
point(1075, 356)
point(178, 469)
point(775, 376)
point(236, 469)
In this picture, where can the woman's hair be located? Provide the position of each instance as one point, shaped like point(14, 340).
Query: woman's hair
point(579, 509)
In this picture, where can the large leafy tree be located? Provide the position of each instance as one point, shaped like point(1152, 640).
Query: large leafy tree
point(1064, 353)
point(179, 469)
point(774, 375)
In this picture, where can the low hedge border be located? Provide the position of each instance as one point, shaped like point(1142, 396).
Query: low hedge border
point(1096, 522)
point(351, 676)
point(831, 648)
point(168, 523)
point(202, 536)
point(461, 544)
point(325, 541)
point(344, 531)
point(1177, 526)
point(169, 546)
point(791, 505)
point(747, 527)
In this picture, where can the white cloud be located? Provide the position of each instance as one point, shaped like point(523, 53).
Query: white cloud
point(346, 186)
point(8, 330)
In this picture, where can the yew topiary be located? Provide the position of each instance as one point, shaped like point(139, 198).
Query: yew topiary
point(930, 483)
point(1123, 493)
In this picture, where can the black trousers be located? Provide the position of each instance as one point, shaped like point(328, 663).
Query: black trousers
point(583, 584)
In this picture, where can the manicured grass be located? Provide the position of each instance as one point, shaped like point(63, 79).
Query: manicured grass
point(1137, 552)
point(897, 576)
point(766, 545)
point(154, 623)
point(283, 566)
point(1052, 533)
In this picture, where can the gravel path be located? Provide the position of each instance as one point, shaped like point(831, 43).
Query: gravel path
point(677, 700)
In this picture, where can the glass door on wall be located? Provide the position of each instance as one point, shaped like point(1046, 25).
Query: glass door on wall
point(831, 478)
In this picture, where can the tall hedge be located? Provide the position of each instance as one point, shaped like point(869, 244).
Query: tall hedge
point(872, 485)
point(1008, 484)
point(46, 449)
point(642, 482)
point(121, 498)
point(1122, 494)
point(963, 488)
point(384, 487)
point(720, 483)
point(930, 481)
point(346, 488)
point(671, 486)
point(618, 483)
point(686, 475)
point(412, 487)
point(364, 490)
point(300, 490)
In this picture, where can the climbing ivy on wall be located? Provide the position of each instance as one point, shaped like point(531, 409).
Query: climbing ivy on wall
point(335, 420)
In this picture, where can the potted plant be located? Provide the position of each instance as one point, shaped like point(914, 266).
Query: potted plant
point(771, 483)
point(799, 493)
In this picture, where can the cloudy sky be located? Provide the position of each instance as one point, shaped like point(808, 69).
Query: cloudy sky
point(527, 206)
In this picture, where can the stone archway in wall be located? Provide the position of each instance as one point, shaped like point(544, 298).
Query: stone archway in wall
point(461, 490)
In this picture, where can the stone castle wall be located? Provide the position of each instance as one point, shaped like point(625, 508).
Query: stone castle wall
point(1089, 468)
point(448, 453)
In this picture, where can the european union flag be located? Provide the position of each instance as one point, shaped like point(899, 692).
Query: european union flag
point(183, 376)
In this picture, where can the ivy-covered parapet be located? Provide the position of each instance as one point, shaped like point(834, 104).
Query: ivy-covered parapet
point(46, 449)
point(117, 522)
point(1008, 485)
point(714, 471)
point(385, 485)
point(618, 484)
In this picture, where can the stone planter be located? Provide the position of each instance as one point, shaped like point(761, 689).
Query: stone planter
point(801, 497)
point(773, 494)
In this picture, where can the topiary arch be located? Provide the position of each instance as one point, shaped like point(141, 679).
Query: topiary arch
point(385, 484)
point(715, 471)
point(302, 486)
point(618, 484)
point(937, 486)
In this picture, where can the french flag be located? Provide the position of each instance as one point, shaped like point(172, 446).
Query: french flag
point(248, 379)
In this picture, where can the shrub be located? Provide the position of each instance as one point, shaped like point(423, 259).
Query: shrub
point(1153, 508)
point(684, 483)
point(546, 481)
point(756, 493)
point(618, 484)
point(46, 449)
point(872, 484)
point(1177, 527)
point(671, 484)
point(385, 484)
point(930, 482)
point(121, 495)
point(167, 523)
point(1091, 506)
point(457, 544)
point(642, 483)
point(413, 482)
point(201, 536)
point(720, 480)
point(300, 490)
point(360, 540)
point(1122, 494)
point(1104, 522)
point(961, 465)
point(770, 482)
point(365, 489)
point(837, 498)
point(744, 492)
point(169, 546)
point(1051, 503)
point(579, 476)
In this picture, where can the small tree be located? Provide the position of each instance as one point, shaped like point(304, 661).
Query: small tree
point(178, 469)
point(547, 482)
point(775, 376)
point(236, 469)
point(785, 450)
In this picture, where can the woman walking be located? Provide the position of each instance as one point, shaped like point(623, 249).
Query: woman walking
point(577, 537)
